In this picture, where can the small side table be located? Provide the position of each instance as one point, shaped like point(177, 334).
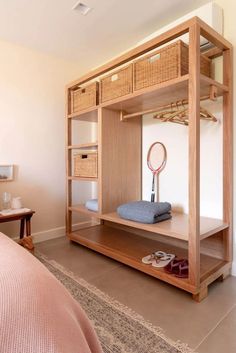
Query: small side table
point(24, 218)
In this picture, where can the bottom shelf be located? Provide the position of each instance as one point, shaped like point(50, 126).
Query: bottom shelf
point(129, 249)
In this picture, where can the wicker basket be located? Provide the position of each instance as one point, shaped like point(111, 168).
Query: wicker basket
point(165, 64)
point(84, 98)
point(117, 84)
point(86, 164)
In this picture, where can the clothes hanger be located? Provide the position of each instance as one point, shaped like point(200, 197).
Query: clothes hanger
point(167, 114)
point(181, 116)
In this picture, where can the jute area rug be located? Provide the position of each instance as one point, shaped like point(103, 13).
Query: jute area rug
point(119, 329)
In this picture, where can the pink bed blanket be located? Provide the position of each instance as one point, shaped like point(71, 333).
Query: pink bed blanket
point(37, 314)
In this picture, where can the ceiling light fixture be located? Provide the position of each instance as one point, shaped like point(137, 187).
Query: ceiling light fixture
point(82, 8)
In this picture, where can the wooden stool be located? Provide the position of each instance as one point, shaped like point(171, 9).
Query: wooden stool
point(24, 218)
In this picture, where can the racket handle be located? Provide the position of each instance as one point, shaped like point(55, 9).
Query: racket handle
point(152, 197)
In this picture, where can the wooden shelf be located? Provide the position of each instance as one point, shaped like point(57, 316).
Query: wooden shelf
point(83, 209)
point(151, 97)
point(176, 227)
point(162, 94)
point(129, 249)
point(90, 114)
point(83, 146)
point(81, 178)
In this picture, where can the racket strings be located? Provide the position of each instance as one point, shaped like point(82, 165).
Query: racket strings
point(156, 157)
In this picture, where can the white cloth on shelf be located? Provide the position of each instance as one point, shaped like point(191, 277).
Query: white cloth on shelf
point(92, 205)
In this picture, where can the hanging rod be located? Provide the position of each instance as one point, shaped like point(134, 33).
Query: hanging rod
point(211, 96)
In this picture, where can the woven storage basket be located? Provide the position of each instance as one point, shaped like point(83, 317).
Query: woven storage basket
point(84, 98)
point(117, 84)
point(86, 164)
point(165, 64)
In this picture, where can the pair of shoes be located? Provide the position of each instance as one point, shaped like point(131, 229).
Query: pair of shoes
point(158, 259)
point(178, 267)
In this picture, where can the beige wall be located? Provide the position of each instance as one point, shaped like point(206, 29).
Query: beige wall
point(32, 131)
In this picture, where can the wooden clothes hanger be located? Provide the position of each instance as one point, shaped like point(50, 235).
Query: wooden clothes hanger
point(179, 113)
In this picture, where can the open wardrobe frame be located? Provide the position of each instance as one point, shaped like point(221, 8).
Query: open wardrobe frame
point(206, 242)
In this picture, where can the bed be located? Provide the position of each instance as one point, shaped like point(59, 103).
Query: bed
point(37, 314)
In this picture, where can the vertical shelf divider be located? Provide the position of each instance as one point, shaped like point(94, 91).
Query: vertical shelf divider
point(194, 155)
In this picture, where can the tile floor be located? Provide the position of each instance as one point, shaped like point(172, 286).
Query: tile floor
point(207, 327)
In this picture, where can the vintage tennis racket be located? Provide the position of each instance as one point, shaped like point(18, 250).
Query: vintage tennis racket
point(156, 161)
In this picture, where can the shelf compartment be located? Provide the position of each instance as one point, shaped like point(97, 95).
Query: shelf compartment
point(159, 95)
point(81, 178)
point(176, 227)
point(83, 209)
point(90, 114)
point(129, 249)
point(147, 98)
point(83, 146)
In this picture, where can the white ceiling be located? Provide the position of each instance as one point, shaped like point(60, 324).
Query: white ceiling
point(113, 26)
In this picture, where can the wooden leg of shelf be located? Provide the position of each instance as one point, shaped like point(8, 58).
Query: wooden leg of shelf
point(224, 275)
point(22, 228)
point(194, 156)
point(201, 295)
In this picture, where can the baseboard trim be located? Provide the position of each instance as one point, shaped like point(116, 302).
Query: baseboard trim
point(49, 234)
point(55, 232)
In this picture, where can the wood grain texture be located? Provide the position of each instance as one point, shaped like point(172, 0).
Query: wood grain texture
point(120, 160)
point(213, 245)
point(225, 275)
point(201, 295)
point(194, 155)
point(214, 273)
point(100, 153)
point(228, 153)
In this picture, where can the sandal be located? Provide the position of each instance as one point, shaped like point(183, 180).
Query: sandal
point(163, 261)
point(149, 259)
point(173, 266)
point(183, 269)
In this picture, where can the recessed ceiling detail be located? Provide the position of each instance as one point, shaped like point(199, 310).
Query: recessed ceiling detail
point(82, 8)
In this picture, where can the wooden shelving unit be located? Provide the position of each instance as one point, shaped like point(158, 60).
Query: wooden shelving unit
point(119, 168)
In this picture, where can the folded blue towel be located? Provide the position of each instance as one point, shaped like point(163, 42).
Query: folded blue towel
point(145, 211)
point(92, 205)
